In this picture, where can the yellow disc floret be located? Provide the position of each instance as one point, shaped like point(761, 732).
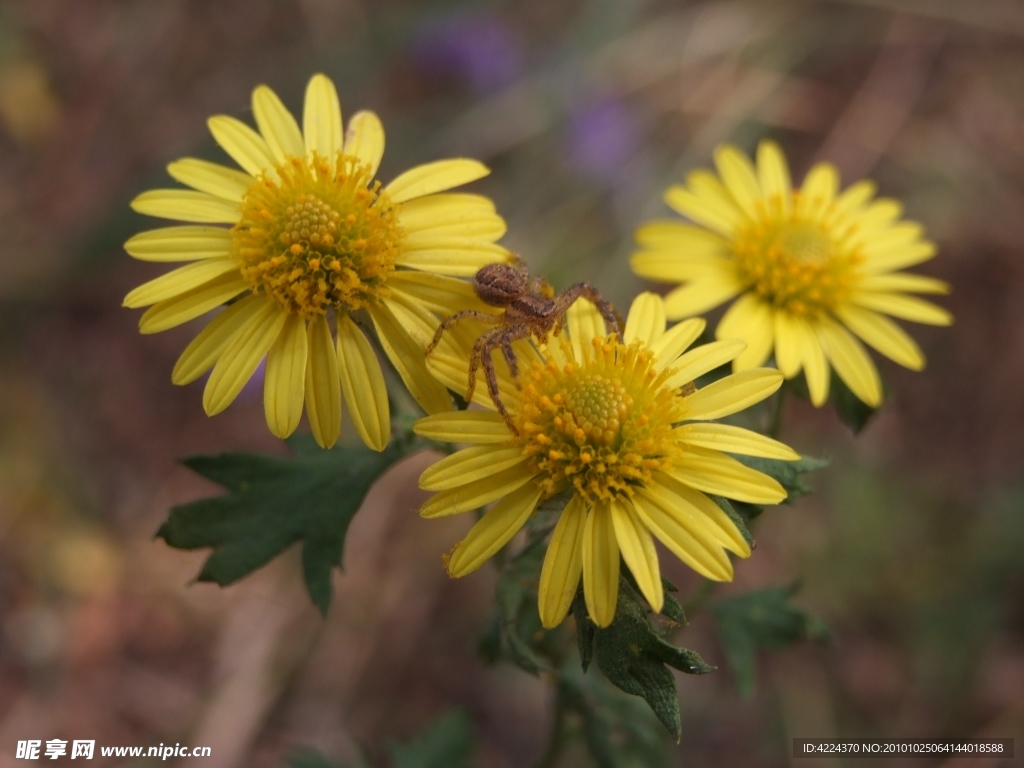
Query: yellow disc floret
point(600, 425)
point(317, 234)
point(795, 264)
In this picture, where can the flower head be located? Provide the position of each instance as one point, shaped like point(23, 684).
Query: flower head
point(809, 266)
point(621, 428)
point(315, 241)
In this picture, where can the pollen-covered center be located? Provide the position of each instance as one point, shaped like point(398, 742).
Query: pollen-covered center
point(317, 234)
point(794, 264)
point(600, 426)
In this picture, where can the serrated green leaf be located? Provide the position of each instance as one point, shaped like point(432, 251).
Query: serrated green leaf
point(741, 519)
point(273, 503)
point(447, 743)
point(761, 619)
point(620, 731)
point(633, 656)
point(672, 608)
point(787, 473)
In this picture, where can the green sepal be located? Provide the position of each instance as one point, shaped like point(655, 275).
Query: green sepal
point(448, 743)
point(275, 502)
point(852, 411)
point(586, 630)
point(789, 474)
point(740, 516)
point(761, 619)
point(635, 658)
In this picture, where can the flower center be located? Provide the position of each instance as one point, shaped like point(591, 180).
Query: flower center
point(317, 234)
point(794, 264)
point(601, 425)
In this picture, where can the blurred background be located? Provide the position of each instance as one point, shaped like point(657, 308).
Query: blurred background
point(585, 110)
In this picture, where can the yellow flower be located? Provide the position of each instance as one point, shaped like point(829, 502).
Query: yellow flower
point(808, 265)
point(314, 235)
point(620, 427)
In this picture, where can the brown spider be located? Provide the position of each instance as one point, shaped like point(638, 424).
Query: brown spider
point(531, 310)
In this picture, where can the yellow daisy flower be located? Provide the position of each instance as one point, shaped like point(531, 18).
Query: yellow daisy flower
point(314, 235)
point(620, 427)
point(809, 266)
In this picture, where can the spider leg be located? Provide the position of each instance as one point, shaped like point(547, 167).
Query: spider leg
point(510, 355)
point(492, 378)
point(448, 322)
point(475, 357)
point(565, 300)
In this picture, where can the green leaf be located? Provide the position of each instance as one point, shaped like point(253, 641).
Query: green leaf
point(447, 743)
point(519, 631)
point(620, 731)
point(633, 656)
point(273, 503)
point(761, 619)
point(586, 630)
point(787, 473)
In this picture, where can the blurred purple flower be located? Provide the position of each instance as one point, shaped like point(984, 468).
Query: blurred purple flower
point(602, 137)
point(478, 49)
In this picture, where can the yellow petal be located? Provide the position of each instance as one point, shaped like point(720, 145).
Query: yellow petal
point(439, 294)
point(563, 564)
point(190, 305)
point(646, 320)
point(242, 357)
point(478, 493)
point(409, 360)
point(364, 140)
point(323, 388)
point(732, 394)
point(435, 177)
point(637, 548)
point(206, 348)
point(684, 239)
point(600, 565)
point(817, 192)
point(903, 282)
point(851, 202)
point(906, 307)
point(884, 335)
point(362, 383)
point(901, 257)
point(321, 117)
point(213, 178)
point(740, 179)
point(437, 218)
point(730, 439)
point(787, 343)
point(458, 257)
point(180, 244)
point(705, 201)
point(702, 294)
point(179, 281)
point(277, 125)
point(773, 173)
point(676, 340)
point(881, 214)
point(494, 530)
point(750, 320)
point(482, 427)
point(850, 360)
point(585, 324)
point(242, 143)
point(284, 384)
point(815, 366)
point(673, 266)
point(186, 205)
point(699, 513)
point(714, 472)
point(469, 465)
point(703, 359)
point(698, 550)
